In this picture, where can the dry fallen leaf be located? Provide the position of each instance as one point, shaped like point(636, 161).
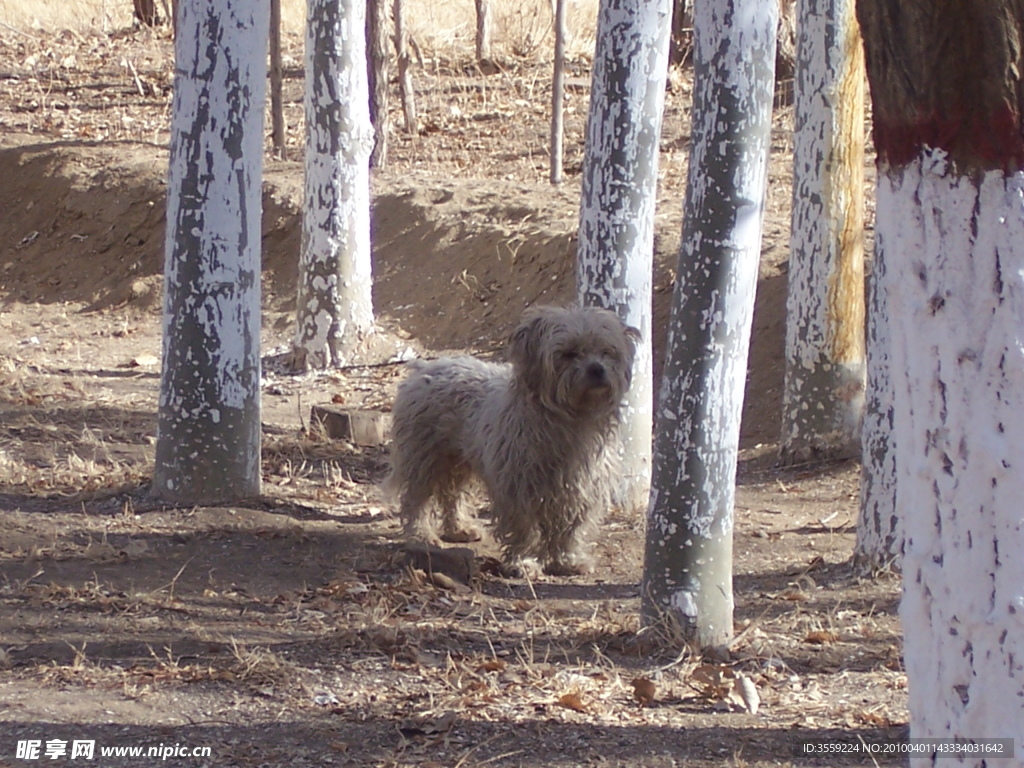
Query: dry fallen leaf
point(875, 719)
point(643, 691)
point(492, 665)
point(572, 701)
point(744, 694)
point(428, 725)
point(444, 581)
point(821, 637)
point(729, 689)
point(716, 680)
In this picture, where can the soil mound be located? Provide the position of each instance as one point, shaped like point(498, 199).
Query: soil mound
point(455, 260)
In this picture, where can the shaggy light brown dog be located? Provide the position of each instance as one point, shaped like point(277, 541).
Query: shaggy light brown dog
point(539, 433)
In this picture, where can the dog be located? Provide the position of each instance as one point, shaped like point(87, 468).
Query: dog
point(539, 431)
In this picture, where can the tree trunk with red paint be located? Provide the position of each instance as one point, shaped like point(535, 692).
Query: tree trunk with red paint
point(947, 92)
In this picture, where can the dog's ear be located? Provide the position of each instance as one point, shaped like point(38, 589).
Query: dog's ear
point(524, 348)
point(633, 337)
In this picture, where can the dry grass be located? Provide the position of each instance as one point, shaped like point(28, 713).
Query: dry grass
point(77, 15)
point(44, 451)
point(441, 28)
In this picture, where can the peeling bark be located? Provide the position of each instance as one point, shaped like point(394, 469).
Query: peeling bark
point(335, 306)
point(208, 444)
point(688, 558)
point(620, 177)
point(823, 399)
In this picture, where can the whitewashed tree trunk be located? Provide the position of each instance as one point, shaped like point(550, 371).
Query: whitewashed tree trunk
point(335, 306)
point(620, 183)
point(688, 560)
point(823, 399)
point(208, 444)
point(955, 246)
point(879, 543)
point(950, 145)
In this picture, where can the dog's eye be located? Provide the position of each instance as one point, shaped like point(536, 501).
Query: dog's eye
point(569, 354)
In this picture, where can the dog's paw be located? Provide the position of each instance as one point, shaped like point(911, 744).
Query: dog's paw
point(522, 568)
point(569, 568)
point(462, 535)
point(423, 536)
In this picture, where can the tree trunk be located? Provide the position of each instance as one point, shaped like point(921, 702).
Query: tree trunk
point(405, 87)
point(335, 307)
point(823, 398)
point(378, 73)
point(620, 180)
point(277, 137)
point(145, 12)
point(948, 135)
point(558, 93)
point(688, 560)
point(484, 23)
point(208, 444)
point(879, 533)
point(786, 43)
point(681, 42)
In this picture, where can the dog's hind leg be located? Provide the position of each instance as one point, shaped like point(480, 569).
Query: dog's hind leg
point(519, 538)
point(565, 550)
point(417, 516)
point(456, 525)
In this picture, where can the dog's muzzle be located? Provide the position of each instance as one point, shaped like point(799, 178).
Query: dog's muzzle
point(597, 375)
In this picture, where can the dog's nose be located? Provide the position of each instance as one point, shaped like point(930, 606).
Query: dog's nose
point(597, 374)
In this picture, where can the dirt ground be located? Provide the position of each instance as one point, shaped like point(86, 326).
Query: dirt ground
point(288, 630)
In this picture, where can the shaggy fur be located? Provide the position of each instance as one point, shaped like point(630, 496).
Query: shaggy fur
point(538, 432)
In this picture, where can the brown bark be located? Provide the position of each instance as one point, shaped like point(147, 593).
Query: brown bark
point(947, 75)
point(378, 71)
point(484, 17)
point(276, 81)
point(405, 87)
point(145, 12)
point(558, 93)
point(680, 42)
point(785, 45)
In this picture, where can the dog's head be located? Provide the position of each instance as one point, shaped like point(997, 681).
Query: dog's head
point(578, 361)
